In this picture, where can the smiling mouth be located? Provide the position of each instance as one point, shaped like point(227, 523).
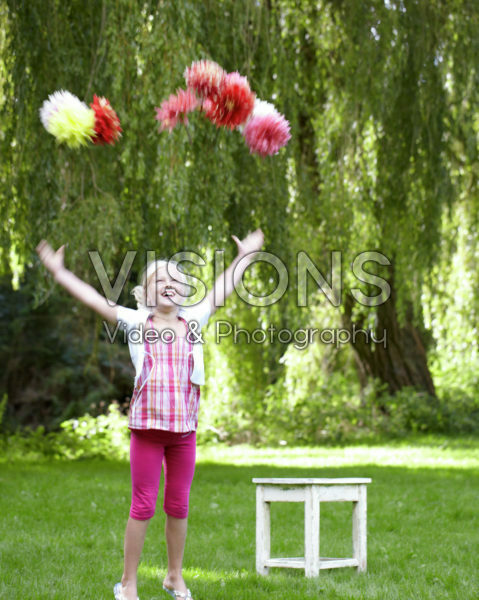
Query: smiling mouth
point(168, 293)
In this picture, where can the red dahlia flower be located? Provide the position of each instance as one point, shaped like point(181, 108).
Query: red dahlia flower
point(175, 109)
point(205, 77)
point(107, 123)
point(234, 103)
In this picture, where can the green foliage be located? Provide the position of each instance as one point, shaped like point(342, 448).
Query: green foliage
point(28, 443)
point(319, 400)
point(338, 413)
point(104, 436)
point(50, 372)
point(3, 405)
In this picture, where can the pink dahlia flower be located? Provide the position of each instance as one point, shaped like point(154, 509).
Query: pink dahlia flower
point(266, 130)
point(175, 109)
point(234, 103)
point(205, 77)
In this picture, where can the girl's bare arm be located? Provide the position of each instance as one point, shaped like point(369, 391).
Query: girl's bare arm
point(226, 282)
point(84, 292)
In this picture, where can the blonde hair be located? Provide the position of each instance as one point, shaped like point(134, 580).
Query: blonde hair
point(139, 291)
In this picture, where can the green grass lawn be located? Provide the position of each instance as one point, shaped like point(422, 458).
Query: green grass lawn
point(62, 525)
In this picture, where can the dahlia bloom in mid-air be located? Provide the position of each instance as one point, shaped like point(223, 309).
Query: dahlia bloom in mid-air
point(51, 106)
point(175, 109)
point(68, 119)
point(266, 130)
point(234, 103)
point(205, 77)
point(107, 123)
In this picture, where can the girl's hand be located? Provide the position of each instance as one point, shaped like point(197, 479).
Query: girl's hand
point(253, 242)
point(80, 290)
point(52, 260)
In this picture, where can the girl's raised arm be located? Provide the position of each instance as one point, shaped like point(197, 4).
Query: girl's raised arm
point(226, 282)
point(87, 294)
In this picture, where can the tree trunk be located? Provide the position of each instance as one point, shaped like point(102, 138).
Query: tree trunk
point(400, 359)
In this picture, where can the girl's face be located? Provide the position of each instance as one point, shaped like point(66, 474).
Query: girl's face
point(166, 289)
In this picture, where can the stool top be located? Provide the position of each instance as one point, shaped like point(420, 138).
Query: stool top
point(311, 481)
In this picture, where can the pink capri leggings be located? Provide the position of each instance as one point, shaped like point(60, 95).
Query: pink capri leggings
point(149, 449)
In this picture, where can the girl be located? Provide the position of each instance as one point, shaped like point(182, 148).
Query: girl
point(163, 416)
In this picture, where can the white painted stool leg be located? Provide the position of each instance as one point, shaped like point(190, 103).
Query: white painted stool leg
point(263, 532)
point(311, 531)
point(360, 529)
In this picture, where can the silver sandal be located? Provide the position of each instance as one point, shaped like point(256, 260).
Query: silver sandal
point(177, 594)
point(118, 591)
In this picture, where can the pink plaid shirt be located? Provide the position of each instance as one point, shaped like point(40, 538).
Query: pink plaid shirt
point(164, 396)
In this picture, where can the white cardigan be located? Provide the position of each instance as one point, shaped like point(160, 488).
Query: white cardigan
point(137, 318)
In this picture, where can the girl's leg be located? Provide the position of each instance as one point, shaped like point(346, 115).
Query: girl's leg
point(175, 532)
point(179, 470)
point(146, 456)
point(134, 540)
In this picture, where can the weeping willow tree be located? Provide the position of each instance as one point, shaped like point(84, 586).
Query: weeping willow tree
point(381, 96)
point(385, 92)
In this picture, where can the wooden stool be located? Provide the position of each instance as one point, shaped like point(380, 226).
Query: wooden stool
point(312, 492)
